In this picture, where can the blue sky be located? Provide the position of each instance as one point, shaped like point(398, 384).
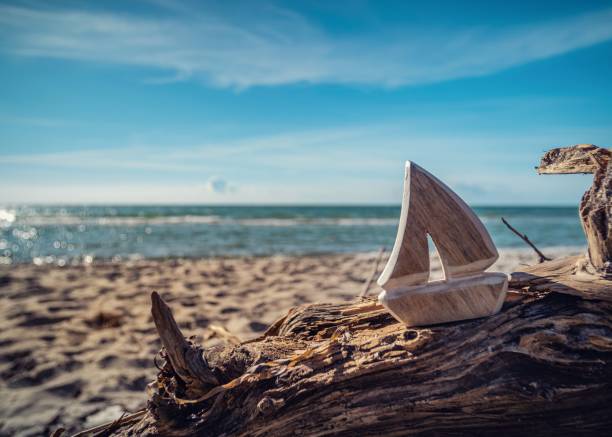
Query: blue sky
point(297, 102)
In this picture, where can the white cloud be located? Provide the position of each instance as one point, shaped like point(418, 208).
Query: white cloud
point(277, 46)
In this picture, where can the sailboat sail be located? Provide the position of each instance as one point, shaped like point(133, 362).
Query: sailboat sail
point(430, 207)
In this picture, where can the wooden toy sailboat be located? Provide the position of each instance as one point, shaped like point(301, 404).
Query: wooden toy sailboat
point(465, 248)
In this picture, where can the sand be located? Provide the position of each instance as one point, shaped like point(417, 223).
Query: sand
point(77, 342)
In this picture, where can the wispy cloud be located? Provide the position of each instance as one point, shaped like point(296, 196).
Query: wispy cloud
point(270, 149)
point(361, 164)
point(279, 46)
point(341, 150)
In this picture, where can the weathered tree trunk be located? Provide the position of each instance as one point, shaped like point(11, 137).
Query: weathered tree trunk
point(541, 366)
point(596, 204)
point(596, 215)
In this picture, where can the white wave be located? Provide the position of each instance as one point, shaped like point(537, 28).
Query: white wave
point(68, 220)
point(274, 222)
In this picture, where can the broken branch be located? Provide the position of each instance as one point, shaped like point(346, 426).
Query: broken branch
point(526, 240)
point(186, 359)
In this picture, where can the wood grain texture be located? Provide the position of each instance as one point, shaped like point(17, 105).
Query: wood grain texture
point(186, 360)
point(581, 158)
point(542, 366)
point(447, 301)
point(465, 248)
point(570, 275)
point(596, 217)
point(596, 204)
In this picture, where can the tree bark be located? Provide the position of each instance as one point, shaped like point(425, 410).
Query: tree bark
point(582, 158)
point(596, 216)
point(542, 365)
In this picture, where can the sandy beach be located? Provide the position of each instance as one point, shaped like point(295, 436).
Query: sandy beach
point(77, 342)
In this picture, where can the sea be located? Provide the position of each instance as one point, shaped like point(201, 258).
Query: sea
point(84, 234)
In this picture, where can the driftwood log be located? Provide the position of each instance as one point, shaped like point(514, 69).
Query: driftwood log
point(541, 366)
point(590, 275)
point(596, 204)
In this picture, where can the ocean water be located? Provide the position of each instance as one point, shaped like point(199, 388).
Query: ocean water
point(82, 234)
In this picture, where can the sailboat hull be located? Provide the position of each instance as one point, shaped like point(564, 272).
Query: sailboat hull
point(447, 301)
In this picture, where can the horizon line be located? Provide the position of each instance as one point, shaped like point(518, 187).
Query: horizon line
point(260, 205)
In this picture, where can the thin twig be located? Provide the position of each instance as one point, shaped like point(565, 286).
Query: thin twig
point(526, 240)
point(366, 287)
